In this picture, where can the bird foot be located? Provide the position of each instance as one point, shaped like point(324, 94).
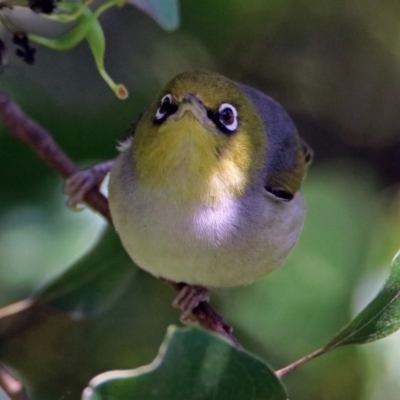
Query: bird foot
point(78, 185)
point(188, 299)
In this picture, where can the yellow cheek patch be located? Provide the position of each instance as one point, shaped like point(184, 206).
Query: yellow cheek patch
point(187, 162)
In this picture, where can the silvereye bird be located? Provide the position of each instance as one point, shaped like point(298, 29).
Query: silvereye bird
point(206, 190)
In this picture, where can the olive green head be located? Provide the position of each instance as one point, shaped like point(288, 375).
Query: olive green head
point(200, 140)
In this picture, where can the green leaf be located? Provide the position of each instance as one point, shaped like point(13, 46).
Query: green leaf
point(94, 282)
point(379, 319)
point(192, 363)
point(164, 12)
point(88, 27)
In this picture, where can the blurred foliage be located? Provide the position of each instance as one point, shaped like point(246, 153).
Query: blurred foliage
point(335, 66)
point(91, 319)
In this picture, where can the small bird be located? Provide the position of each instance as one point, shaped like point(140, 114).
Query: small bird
point(206, 190)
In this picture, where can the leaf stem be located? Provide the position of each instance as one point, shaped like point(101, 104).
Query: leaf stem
point(291, 367)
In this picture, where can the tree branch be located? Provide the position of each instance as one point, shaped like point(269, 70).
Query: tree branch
point(42, 143)
point(11, 386)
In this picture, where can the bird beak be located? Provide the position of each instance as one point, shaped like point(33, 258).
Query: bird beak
point(191, 105)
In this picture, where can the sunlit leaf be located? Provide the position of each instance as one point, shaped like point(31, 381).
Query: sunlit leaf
point(192, 363)
point(164, 12)
point(379, 319)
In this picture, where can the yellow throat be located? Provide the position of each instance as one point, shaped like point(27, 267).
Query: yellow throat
point(187, 159)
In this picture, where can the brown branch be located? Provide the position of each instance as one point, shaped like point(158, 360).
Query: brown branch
point(11, 386)
point(15, 308)
point(206, 316)
point(45, 147)
point(210, 319)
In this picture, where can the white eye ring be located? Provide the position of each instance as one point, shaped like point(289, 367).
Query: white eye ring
point(228, 116)
point(162, 110)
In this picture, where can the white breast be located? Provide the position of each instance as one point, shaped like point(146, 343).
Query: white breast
point(229, 244)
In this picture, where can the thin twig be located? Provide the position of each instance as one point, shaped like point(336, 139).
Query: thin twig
point(15, 308)
point(11, 386)
point(291, 367)
point(41, 142)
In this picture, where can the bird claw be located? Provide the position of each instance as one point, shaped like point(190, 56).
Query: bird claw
point(188, 299)
point(79, 184)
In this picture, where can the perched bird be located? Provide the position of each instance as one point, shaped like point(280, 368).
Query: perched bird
point(206, 191)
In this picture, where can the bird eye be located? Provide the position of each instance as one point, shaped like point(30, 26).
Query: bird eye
point(166, 108)
point(228, 116)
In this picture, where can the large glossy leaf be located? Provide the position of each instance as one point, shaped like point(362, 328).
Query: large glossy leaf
point(379, 319)
point(164, 12)
point(192, 364)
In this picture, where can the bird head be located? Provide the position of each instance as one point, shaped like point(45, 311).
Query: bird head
point(202, 139)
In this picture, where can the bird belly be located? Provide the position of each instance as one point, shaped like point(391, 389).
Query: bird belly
point(227, 244)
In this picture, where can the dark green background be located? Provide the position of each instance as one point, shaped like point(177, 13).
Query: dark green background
point(335, 66)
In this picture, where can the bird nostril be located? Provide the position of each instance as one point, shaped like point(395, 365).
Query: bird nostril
point(187, 97)
point(191, 98)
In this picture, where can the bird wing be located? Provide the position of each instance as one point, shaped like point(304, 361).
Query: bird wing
point(288, 156)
